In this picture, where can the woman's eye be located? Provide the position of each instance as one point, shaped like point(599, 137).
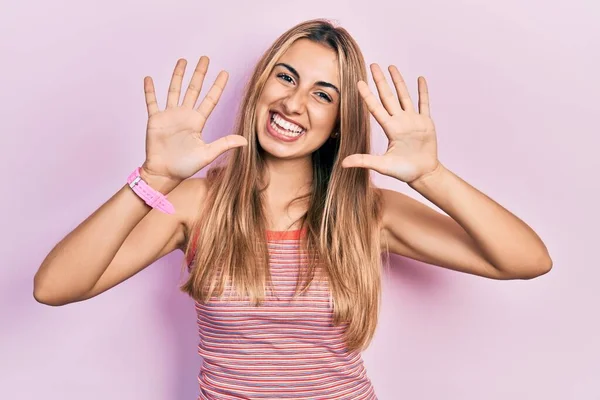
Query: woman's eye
point(285, 77)
point(325, 97)
point(289, 79)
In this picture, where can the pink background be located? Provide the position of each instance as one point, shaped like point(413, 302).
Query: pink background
point(514, 91)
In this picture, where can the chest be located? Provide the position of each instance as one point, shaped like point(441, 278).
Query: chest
point(280, 312)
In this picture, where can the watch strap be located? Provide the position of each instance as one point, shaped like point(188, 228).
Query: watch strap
point(152, 197)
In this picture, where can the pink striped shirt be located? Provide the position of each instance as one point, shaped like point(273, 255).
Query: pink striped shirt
point(282, 349)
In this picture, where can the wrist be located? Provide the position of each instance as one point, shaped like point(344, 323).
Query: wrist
point(159, 183)
point(426, 178)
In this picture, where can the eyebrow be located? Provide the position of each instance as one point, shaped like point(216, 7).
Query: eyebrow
point(319, 83)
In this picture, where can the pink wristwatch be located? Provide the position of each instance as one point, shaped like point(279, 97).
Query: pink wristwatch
point(152, 197)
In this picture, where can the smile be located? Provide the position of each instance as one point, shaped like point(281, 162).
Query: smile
point(282, 129)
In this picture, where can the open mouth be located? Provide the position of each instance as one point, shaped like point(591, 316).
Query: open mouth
point(281, 128)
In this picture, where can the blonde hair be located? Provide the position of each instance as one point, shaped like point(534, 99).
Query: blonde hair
point(344, 210)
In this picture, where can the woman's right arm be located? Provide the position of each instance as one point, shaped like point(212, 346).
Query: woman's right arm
point(124, 235)
point(117, 241)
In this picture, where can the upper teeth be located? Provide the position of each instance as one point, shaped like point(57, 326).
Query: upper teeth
point(285, 124)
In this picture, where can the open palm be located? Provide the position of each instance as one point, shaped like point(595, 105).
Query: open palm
point(174, 144)
point(412, 143)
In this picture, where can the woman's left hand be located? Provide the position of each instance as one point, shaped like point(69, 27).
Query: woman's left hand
point(412, 147)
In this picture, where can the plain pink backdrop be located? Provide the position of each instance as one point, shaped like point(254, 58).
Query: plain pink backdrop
point(514, 94)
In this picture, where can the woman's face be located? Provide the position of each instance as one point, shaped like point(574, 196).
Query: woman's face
point(298, 108)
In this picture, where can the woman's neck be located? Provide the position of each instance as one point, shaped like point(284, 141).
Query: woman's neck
point(287, 180)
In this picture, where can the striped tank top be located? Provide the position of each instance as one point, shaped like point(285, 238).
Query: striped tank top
point(282, 349)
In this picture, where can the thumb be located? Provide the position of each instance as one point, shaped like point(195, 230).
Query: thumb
point(219, 146)
point(363, 161)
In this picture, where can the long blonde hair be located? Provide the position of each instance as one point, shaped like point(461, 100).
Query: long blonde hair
point(343, 219)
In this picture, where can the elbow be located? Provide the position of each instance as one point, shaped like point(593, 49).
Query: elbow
point(46, 298)
point(50, 300)
point(527, 271)
point(542, 267)
point(43, 295)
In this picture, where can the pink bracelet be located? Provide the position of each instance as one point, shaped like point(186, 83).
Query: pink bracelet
point(152, 197)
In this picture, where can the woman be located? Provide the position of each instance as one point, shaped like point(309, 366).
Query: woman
point(283, 240)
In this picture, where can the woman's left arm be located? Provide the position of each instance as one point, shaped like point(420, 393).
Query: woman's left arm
point(480, 236)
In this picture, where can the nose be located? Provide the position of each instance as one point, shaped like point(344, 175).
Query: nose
point(295, 102)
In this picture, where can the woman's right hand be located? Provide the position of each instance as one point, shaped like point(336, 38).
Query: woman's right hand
point(175, 149)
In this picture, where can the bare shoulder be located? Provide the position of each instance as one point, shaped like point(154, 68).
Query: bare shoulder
point(387, 197)
point(399, 215)
point(391, 198)
point(189, 197)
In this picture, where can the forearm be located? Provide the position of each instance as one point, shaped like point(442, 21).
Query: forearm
point(76, 263)
point(506, 241)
